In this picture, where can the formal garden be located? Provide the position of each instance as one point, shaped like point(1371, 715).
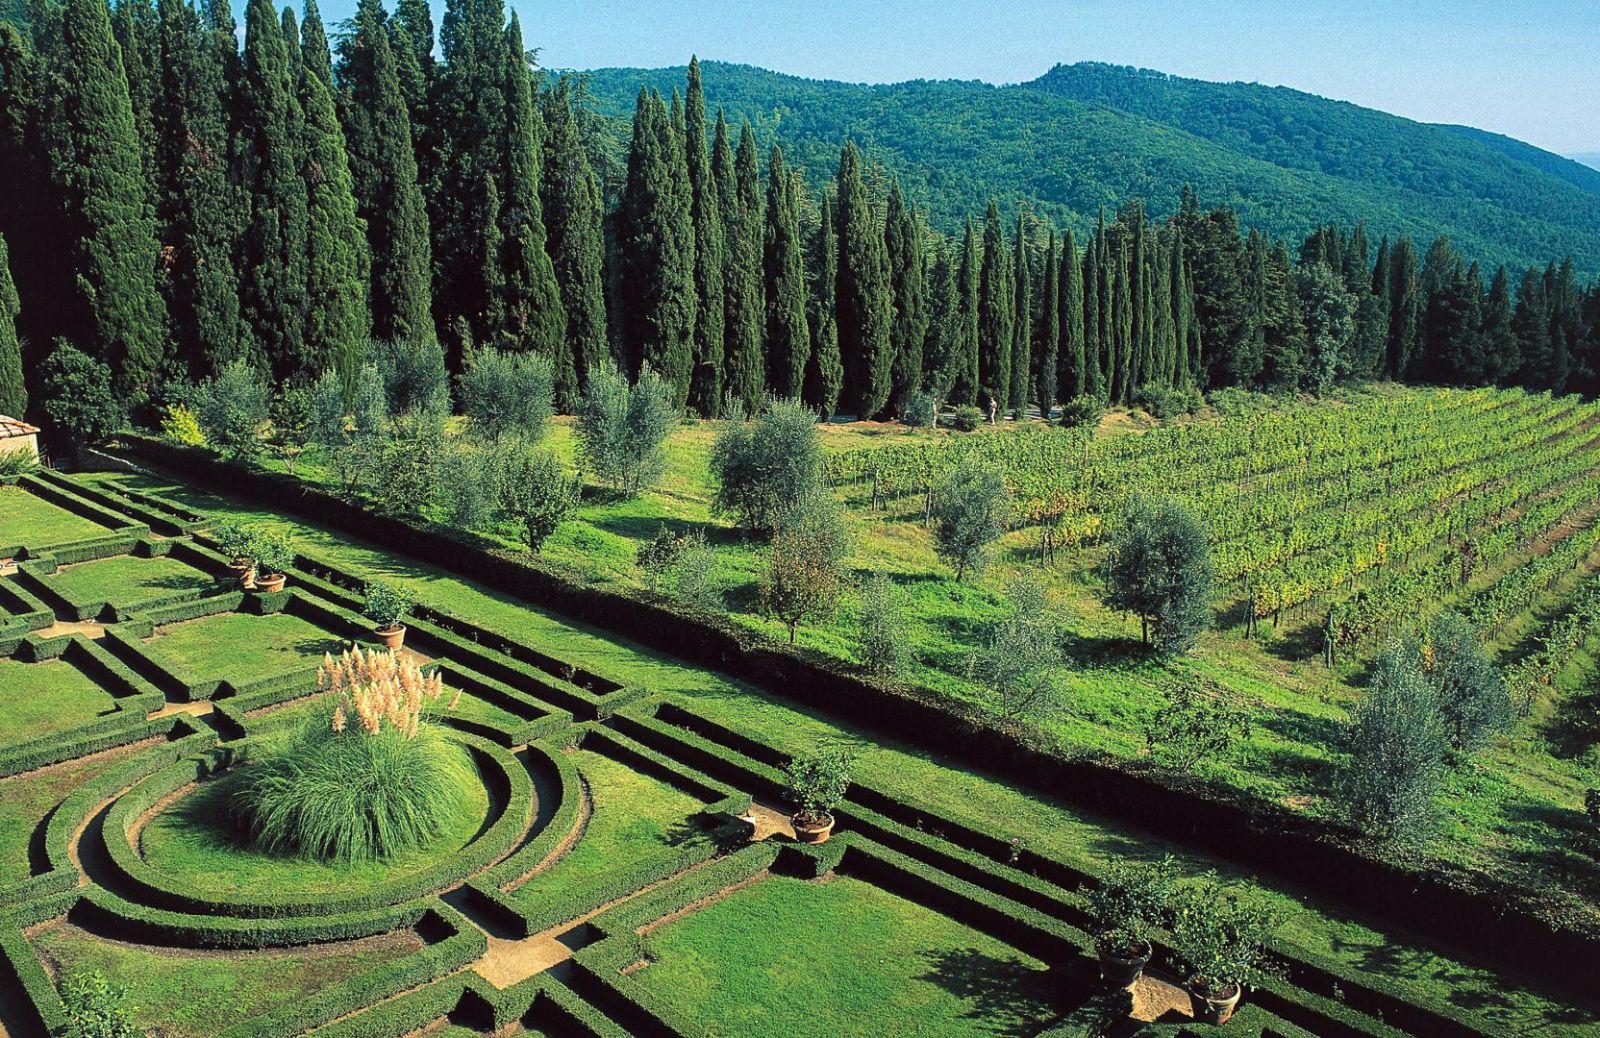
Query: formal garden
point(264, 778)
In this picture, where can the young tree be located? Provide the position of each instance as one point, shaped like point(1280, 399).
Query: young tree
point(290, 415)
point(762, 467)
point(621, 430)
point(970, 512)
point(805, 572)
point(232, 407)
point(508, 393)
point(1160, 570)
point(79, 399)
point(885, 627)
point(1473, 700)
point(1021, 655)
point(1397, 743)
point(538, 495)
point(1193, 722)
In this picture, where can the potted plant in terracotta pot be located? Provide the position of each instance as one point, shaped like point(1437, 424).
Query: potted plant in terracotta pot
point(1124, 907)
point(817, 782)
point(274, 554)
point(386, 606)
point(1219, 935)
point(234, 543)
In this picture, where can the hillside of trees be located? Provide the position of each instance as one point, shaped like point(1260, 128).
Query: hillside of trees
point(177, 207)
point(1083, 136)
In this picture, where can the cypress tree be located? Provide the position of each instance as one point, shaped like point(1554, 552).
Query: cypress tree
point(576, 237)
point(788, 337)
point(315, 56)
point(1047, 336)
point(13, 393)
point(908, 280)
point(964, 388)
point(710, 254)
point(825, 372)
point(290, 29)
point(535, 320)
point(1501, 356)
point(1405, 307)
point(200, 212)
point(1179, 307)
point(1092, 346)
point(865, 301)
point(744, 372)
point(1072, 380)
point(1022, 324)
point(1163, 328)
point(412, 36)
point(137, 31)
point(996, 299)
point(1122, 327)
point(338, 270)
point(107, 218)
point(272, 272)
point(383, 166)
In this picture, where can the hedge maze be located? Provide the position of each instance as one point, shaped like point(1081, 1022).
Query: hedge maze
point(618, 873)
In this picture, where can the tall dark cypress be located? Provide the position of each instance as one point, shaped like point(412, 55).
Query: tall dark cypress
point(576, 238)
point(1093, 348)
point(710, 254)
point(315, 56)
point(272, 265)
point(1163, 328)
point(908, 279)
point(1502, 359)
point(107, 219)
point(788, 337)
point(996, 298)
point(825, 372)
point(964, 342)
point(535, 319)
point(13, 392)
point(1072, 380)
point(1405, 307)
point(1021, 323)
point(1122, 326)
point(744, 373)
point(137, 31)
point(865, 300)
point(1181, 310)
point(1047, 336)
point(200, 212)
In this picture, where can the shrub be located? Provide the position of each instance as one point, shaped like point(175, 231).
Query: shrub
point(415, 379)
point(1082, 412)
point(656, 556)
point(621, 429)
point(508, 393)
point(291, 424)
point(78, 396)
point(1397, 742)
point(18, 462)
point(1021, 654)
point(970, 512)
point(692, 574)
point(1219, 935)
point(805, 565)
point(98, 1007)
point(1193, 722)
point(385, 604)
point(966, 418)
point(922, 409)
point(818, 781)
point(402, 470)
point(372, 780)
point(1164, 402)
point(272, 551)
point(537, 494)
point(1160, 570)
point(885, 647)
point(1128, 903)
point(1473, 699)
point(180, 425)
point(235, 540)
point(1591, 806)
point(763, 467)
point(232, 407)
point(469, 485)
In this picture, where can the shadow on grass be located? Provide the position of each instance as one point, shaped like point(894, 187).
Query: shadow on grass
point(1006, 996)
point(1574, 726)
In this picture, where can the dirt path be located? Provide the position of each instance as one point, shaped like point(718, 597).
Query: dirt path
point(86, 628)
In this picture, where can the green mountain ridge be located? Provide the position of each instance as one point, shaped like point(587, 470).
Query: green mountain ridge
point(1090, 135)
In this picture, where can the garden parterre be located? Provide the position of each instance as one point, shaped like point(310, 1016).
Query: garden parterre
point(614, 779)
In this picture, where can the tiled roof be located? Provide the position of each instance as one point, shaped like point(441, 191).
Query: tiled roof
point(10, 427)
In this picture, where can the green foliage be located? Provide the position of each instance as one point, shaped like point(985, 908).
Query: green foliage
point(350, 796)
point(401, 470)
point(921, 409)
point(234, 539)
point(1473, 699)
point(291, 413)
point(656, 556)
point(1397, 742)
point(538, 495)
point(691, 577)
point(232, 407)
point(469, 483)
point(573, 216)
point(866, 301)
point(763, 467)
point(1591, 806)
point(1082, 412)
point(1194, 722)
point(1019, 662)
point(385, 604)
point(99, 1007)
point(1219, 934)
point(338, 259)
point(415, 380)
point(271, 549)
point(508, 393)
point(817, 781)
point(970, 511)
point(1160, 570)
point(13, 391)
point(18, 462)
point(1129, 902)
point(885, 628)
point(966, 418)
point(622, 429)
point(788, 336)
point(78, 397)
point(805, 573)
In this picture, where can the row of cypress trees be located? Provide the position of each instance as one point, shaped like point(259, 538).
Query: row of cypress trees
point(286, 204)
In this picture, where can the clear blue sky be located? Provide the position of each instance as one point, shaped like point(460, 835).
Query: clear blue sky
point(1527, 68)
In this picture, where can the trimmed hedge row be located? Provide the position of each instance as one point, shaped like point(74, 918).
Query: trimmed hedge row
point(21, 969)
point(156, 889)
point(1498, 919)
point(159, 521)
point(72, 498)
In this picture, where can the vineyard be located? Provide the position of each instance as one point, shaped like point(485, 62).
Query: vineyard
point(1359, 515)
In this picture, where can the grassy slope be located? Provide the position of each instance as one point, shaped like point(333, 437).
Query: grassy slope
point(31, 520)
point(1430, 976)
point(43, 699)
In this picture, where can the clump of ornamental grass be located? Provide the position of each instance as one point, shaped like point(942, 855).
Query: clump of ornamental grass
point(369, 780)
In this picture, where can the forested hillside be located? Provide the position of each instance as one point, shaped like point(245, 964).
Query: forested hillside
point(1084, 136)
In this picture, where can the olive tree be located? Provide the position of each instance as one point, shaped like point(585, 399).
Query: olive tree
point(1474, 702)
point(622, 429)
point(538, 495)
point(1160, 570)
point(1020, 660)
point(506, 393)
point(232, 406)
point(1397, 743)
point(762, 467)
point(970, 512)
point(805, 573)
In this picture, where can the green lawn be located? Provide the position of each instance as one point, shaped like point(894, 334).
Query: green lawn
point(240, 647)
point(819, 959)
point(635, 818)
point(196, 994)
point(127, 580)
point(30, 520)
point(192, 842)
point(27, 799)
point(38, 700)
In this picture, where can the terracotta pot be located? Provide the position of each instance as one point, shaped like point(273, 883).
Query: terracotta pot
point(809, 831)
point(246, 571)
point(269, 585)
point(1117, 972)
point(392, 637)
point(1214, 1007)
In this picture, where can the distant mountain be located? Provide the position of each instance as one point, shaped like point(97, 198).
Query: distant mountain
point(1089, 135)
point(1590, 159)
